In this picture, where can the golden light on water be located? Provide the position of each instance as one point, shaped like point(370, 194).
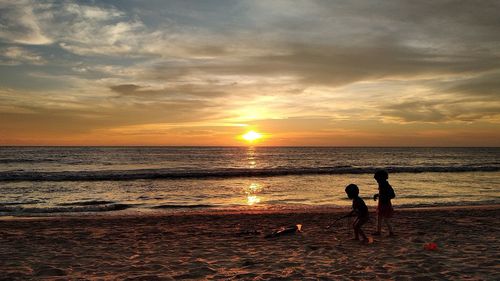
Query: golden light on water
point(252, 163)
point(255, 187)
point(251, 136)
point(251, 193)
point(252, 199)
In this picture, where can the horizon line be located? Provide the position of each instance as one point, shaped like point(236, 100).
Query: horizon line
point(247, 146)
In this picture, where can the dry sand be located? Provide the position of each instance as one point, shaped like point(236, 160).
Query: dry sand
point(231, 246)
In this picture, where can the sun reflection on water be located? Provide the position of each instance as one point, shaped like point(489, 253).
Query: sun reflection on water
point(252, 199)
point(251, 193)
point(251, 157)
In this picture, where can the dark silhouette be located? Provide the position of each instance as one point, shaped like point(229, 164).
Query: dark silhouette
point(384, 196)
point(359, 210)
point(285, 230)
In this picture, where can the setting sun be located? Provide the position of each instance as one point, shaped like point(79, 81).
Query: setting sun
point(251, 136)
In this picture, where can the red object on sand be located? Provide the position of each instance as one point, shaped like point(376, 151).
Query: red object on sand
point(431, 246)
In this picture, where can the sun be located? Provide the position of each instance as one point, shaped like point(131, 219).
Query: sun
point(251, 136)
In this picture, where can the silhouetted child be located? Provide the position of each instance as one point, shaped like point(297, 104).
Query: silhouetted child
point(359, 210)
point(384, 196)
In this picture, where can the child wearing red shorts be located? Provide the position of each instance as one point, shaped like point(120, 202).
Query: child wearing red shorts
point(384, 196)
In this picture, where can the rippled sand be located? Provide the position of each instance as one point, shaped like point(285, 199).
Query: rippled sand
point(232, 246)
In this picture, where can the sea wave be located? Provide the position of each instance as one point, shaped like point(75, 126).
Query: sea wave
point(120, 175)
point(28, 202)
point(449, 204)
point(63, 209)
point(87, 203)
point(20, 160)
point(173, 206)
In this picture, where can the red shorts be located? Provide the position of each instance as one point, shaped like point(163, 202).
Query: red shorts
point(385, 211)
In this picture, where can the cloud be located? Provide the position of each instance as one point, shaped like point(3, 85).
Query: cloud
point(81, 29)
point(485, 85)
point(68, 121)
point(125, 89)
point(19, 55)
point(180, 92)
point(19, 24)
point(331, 65)
point(447, 110)
point(58, 113)
point(94, 30)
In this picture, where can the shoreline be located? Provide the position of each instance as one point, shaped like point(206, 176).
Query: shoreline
point(131, 213)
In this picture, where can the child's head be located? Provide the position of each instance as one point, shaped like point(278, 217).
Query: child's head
point(352, 191)
point(381, 175)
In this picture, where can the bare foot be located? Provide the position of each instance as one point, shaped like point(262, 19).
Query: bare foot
point(367, 240)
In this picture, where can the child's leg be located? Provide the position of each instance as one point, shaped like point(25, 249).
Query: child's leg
point(357, 228)
point(389, 226)
point(356, 231)
point(379, 224)
point(360, 231)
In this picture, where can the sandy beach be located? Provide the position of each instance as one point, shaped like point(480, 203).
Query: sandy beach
point(217, 245)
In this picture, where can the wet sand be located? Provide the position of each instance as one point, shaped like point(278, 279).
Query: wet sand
point(201, 246)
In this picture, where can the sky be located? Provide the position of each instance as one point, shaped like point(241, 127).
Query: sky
point(301, 73)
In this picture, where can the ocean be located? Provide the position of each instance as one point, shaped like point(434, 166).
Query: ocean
point(66, 180)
